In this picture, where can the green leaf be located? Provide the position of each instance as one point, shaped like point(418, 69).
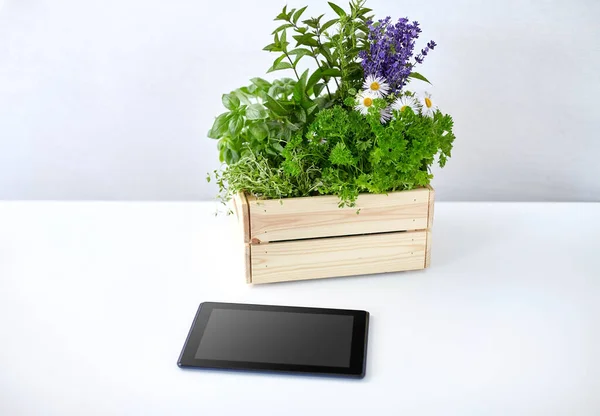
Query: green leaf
point(332, 72)
point(299, 52)
point(298, 14)
point(272, 48)
point(418, 76)
point(318, 88)
point(341, 155)
point(306, 39)
point(298, 93)
point(282, 27)
point(328, 24)
point(243, 96)
point(230, 101)
point(281, 58)
point(313, 22)
point(277, 147)
point(219, 127)
point(283, 39)
point(236, 123)
point(275, 106)
point(283, 14)
point(337, 9)
point(301, 115)
point(256, 112)
point(300, 87)
point(259, 131)
point(314, 78)
point(280, 66)
point(311, 109)
point(326, 53)
point(261, 83)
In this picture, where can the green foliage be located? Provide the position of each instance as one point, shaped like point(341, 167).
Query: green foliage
point(345, 153)
point(263, 116)
point(300, 135)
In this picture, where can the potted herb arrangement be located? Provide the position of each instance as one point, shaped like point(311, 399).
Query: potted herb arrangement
point(328, 168)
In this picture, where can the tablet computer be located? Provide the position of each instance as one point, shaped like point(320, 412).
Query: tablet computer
point(277, 338)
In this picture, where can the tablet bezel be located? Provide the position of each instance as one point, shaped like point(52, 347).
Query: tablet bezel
point(357, 354)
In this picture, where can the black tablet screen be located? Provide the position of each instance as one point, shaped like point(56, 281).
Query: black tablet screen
point(277, 337)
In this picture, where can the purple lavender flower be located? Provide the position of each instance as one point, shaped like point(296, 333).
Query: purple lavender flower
point(390, 51)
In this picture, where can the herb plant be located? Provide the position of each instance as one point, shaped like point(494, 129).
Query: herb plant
point(346, 126)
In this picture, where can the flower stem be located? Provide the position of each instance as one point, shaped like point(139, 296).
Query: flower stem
point(292, 64)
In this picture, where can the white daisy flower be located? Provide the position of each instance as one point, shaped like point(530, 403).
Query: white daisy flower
point(385, 114)
point(376, 86)
point(427, 105)
point(364, 102)
point(405, 102)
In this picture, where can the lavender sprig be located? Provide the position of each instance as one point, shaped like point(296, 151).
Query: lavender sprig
point(391, 50)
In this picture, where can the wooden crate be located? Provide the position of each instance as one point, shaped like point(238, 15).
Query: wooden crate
point(312, 238)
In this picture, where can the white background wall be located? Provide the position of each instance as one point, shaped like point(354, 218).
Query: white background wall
point(112, 99)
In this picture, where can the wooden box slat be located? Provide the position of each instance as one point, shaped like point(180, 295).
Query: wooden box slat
point(312, 238)
point(338, 256)
point(320, 216)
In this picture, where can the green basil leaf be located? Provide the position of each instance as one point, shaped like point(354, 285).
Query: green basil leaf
point(275, 107)
point(256, 112)
point(219, 127)
point(261, 83)
point(259, 131)
point(277, 147)
point(236, 123)
point(230, 101)
point(243, 97)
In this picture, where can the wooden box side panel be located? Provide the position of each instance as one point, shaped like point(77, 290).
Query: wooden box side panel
point(338, 256)
point(242, 213)
point(320, 216)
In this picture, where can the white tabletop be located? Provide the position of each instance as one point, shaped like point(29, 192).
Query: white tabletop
point(96, 300)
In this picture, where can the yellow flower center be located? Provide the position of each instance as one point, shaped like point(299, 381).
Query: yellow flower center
point(375, 86)
point(403, 108)
point(368, 102)
point(427, 102)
